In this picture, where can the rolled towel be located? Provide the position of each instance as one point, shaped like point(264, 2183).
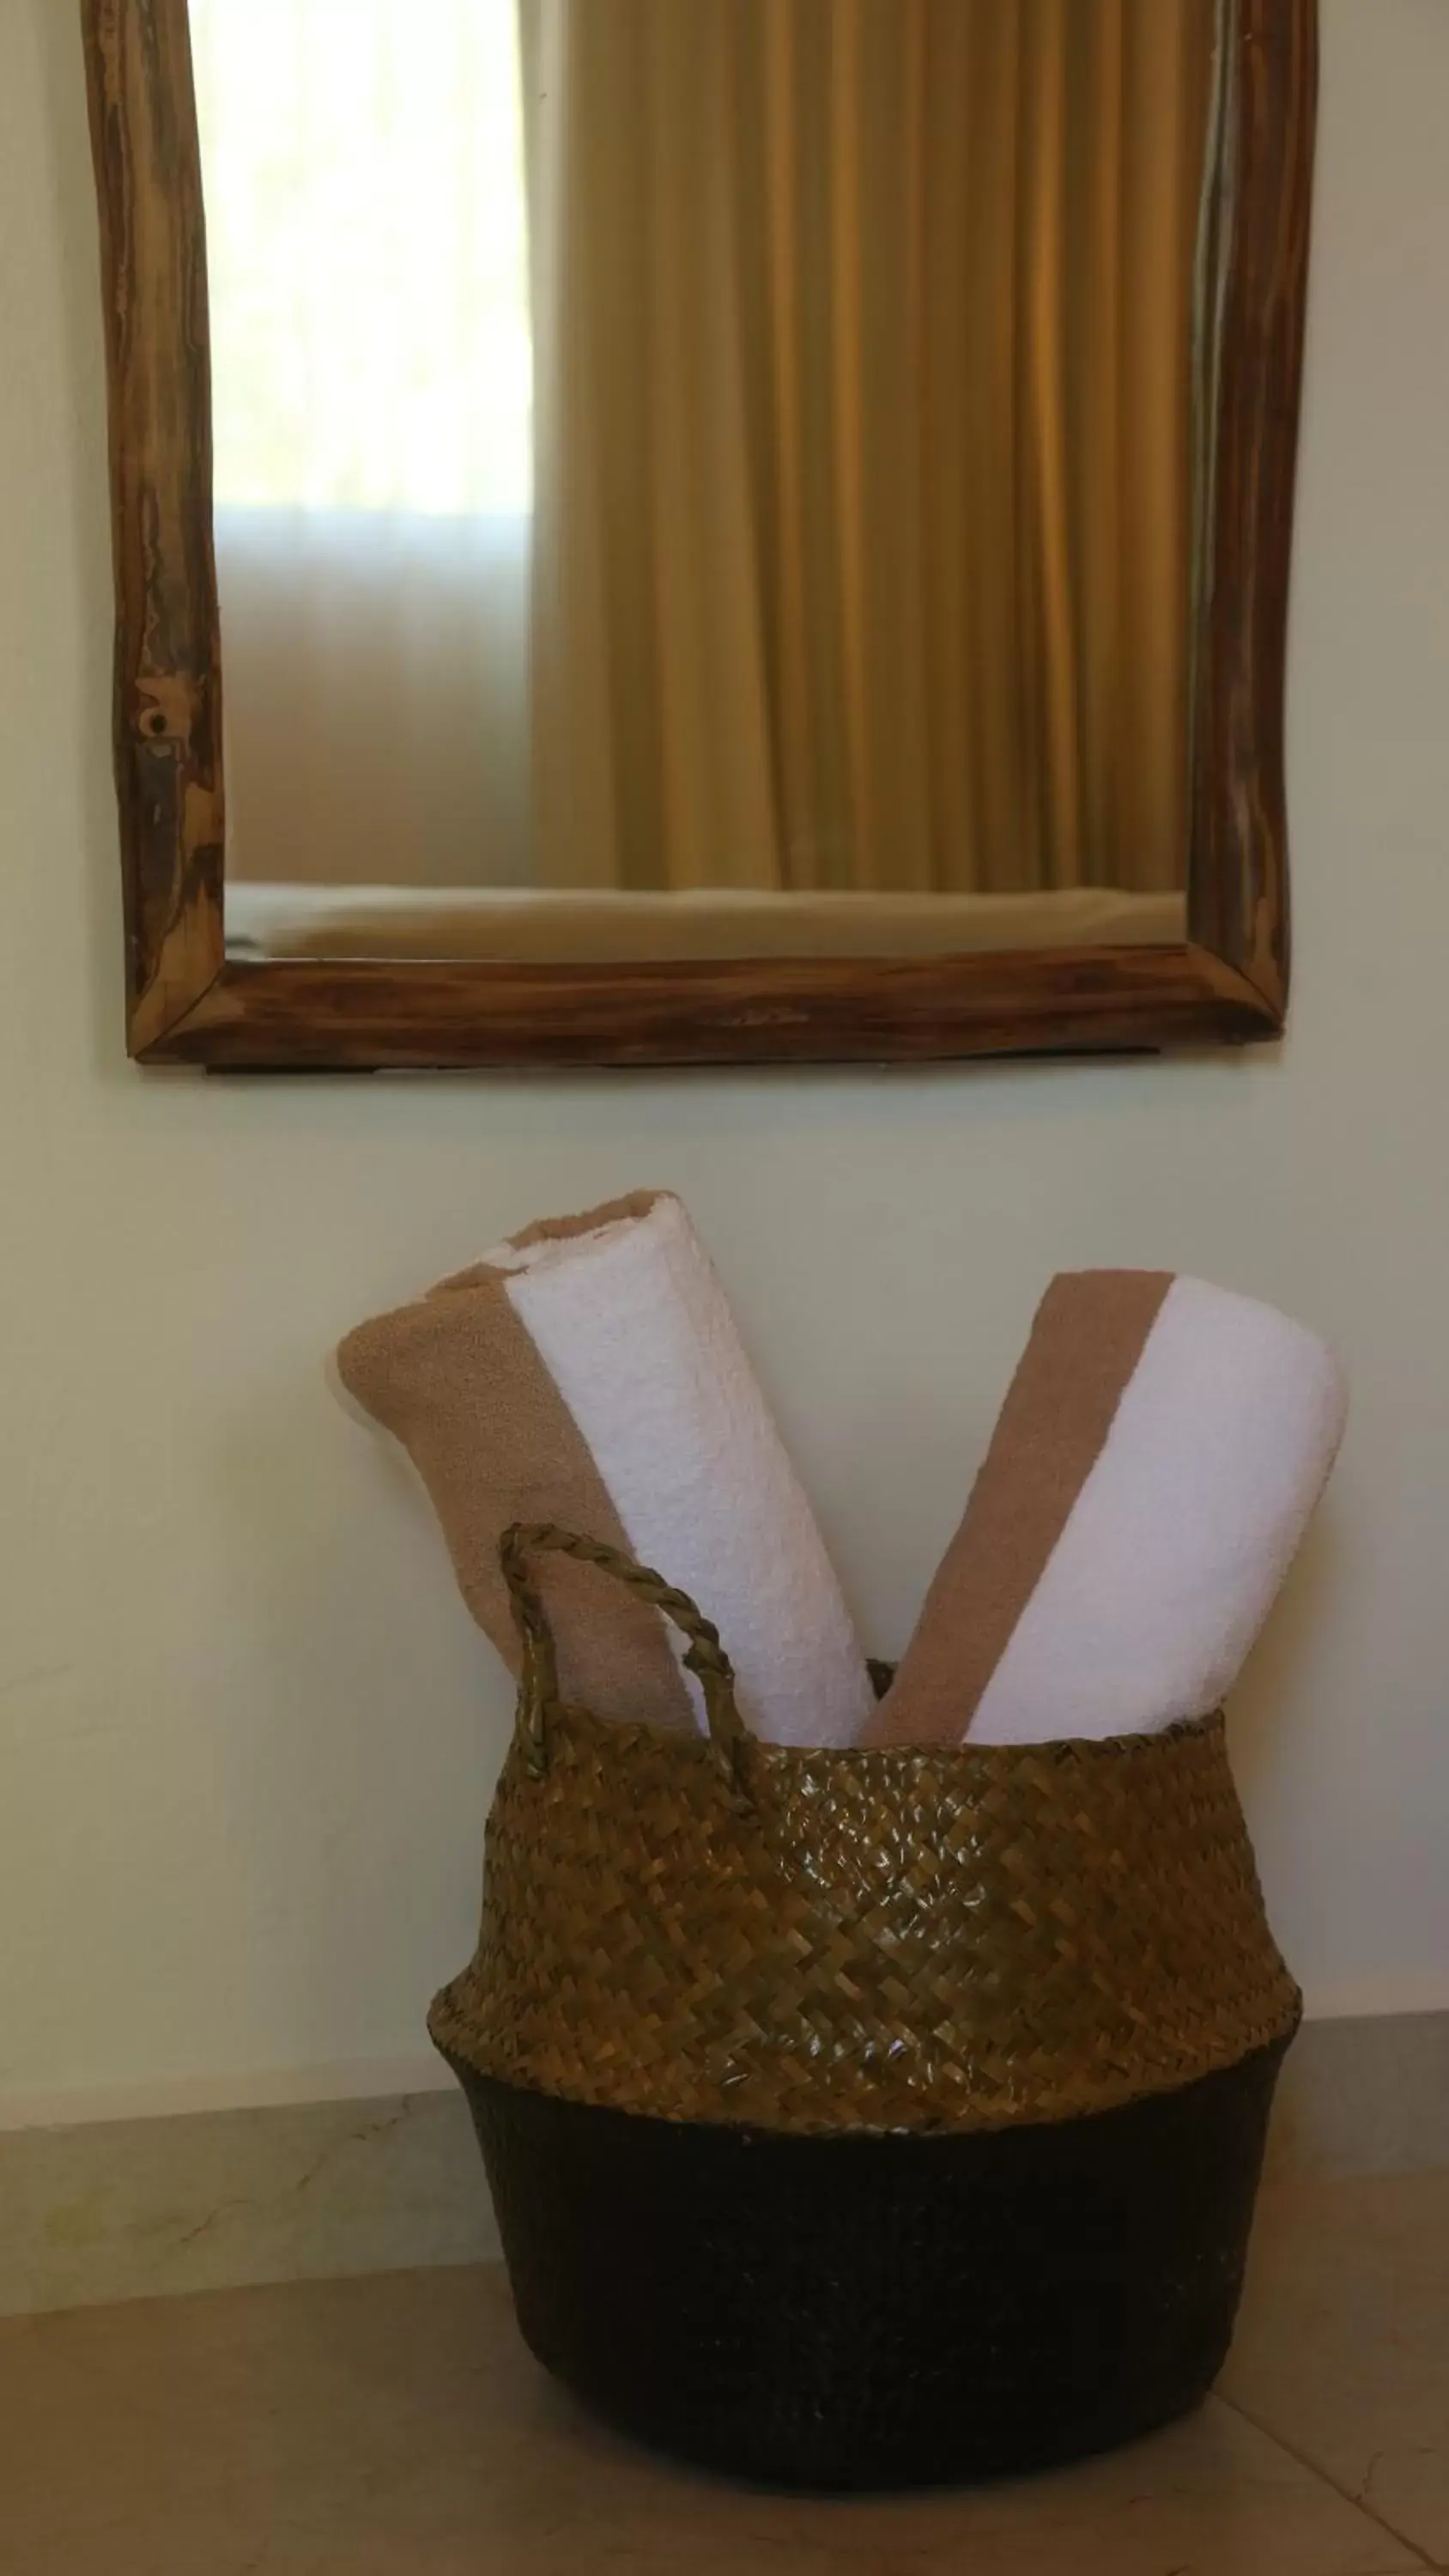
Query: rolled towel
point(1154, 1467)
point(590, 1372)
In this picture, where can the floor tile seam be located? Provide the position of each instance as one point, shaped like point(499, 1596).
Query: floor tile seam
point(1325, 2477)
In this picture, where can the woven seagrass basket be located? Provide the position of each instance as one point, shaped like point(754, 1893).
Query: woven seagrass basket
point(859, 2119)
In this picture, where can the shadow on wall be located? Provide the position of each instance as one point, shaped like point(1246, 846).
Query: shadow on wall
point(378, 1794)
point(1269, 1683)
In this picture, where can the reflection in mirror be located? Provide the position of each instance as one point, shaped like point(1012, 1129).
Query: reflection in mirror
point(706, 477)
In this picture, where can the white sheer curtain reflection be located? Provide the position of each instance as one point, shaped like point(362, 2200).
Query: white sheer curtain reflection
point(372, 363)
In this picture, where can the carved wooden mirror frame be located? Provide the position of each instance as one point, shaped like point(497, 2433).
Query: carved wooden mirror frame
point(188, 1002)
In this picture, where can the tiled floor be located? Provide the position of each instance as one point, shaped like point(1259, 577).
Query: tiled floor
point(371, 2427)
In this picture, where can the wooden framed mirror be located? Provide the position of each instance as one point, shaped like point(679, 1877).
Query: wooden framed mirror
point(870, 427)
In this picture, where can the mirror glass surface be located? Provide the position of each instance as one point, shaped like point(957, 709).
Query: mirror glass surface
point(707, 478)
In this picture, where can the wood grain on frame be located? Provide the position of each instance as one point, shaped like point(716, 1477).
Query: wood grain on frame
point(1238, 879)
point(188, 1003)
point(168, 652)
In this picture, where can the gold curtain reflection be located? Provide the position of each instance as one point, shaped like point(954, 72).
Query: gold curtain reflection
point(863, 332)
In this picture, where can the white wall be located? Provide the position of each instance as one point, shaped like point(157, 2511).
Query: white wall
point(246, 1730)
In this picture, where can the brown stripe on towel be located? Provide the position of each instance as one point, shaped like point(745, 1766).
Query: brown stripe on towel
point(564, 1229)
point(1089, 1334)
point(556, 1229)
point(458, 1379)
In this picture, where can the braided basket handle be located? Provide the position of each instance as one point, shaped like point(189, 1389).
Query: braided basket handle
point(538, 1682)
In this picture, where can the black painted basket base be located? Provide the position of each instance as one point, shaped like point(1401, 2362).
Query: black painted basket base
point(874, 2312)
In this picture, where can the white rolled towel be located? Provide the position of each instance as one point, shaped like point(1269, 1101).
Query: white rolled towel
point(1157, 1460)
point(590, 1371)
point(636, 1332)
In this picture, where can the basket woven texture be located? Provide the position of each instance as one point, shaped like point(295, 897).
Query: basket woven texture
point(968, 1938)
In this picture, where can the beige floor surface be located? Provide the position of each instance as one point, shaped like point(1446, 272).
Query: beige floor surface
point(370, 2427)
